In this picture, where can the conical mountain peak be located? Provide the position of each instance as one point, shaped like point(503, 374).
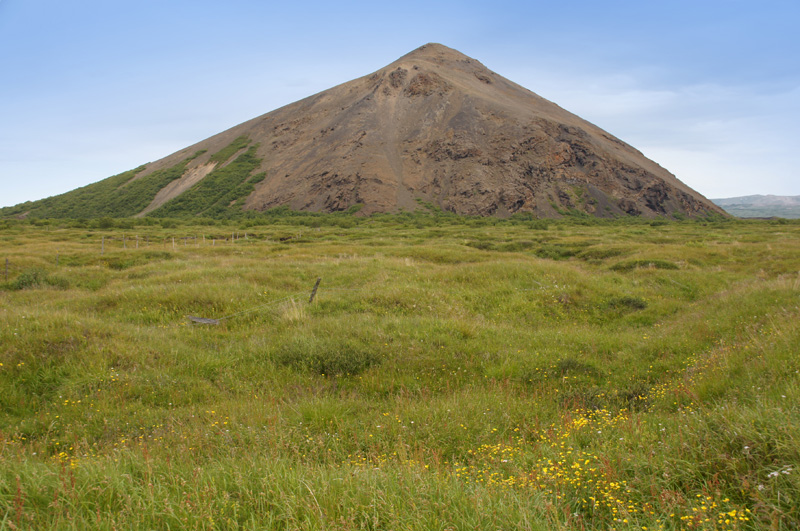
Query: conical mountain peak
point(441, 59)
point(435, 51)
point(434, 127)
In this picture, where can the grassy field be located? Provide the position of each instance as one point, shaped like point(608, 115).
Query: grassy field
point(456, 374)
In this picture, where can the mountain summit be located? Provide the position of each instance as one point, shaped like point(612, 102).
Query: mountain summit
point(434, 127)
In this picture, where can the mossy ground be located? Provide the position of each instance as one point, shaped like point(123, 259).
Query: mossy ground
point(451, 374)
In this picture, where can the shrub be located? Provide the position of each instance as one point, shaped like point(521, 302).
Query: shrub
point(30, 278)
point(327, 356)
point(58, 282)
point(634, 396)
point(601, 253)
point(539, 224)
point(555, 252)
point(627, 302)
point(482, 245)
point(105, 223)
point(513, 247)
point(630, 265)
point(227, 152)
point(346, 223)
point(572, 367)
point(34, 278)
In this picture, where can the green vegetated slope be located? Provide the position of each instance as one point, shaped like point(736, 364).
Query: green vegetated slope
point(118, 196)
point(219, 194)
point(450, 374)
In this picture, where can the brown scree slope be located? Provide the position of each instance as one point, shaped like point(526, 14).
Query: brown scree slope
point(438, 126)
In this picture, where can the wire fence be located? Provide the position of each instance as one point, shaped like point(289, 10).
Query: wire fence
point(196, 240)
point(15, 273)
point(133, 242)
point(261, 307)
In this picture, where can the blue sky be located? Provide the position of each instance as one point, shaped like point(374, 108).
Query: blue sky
point(709, 89)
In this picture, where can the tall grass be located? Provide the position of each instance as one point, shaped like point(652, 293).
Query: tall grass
point(454, 376)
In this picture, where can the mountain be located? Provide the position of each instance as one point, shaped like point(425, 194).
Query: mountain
point(433, 128)
point(761, 206)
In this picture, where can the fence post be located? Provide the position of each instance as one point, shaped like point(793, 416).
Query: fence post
point(314, 291)
point(173, 243)
point(56, 258)
point(103, 246)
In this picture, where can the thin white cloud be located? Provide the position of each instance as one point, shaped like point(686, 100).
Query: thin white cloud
point(721, 140)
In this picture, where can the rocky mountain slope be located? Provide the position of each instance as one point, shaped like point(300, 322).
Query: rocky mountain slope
point(434, 127)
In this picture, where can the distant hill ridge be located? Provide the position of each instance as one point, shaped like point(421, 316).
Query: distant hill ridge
point(434, 128)
point(761, 206)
